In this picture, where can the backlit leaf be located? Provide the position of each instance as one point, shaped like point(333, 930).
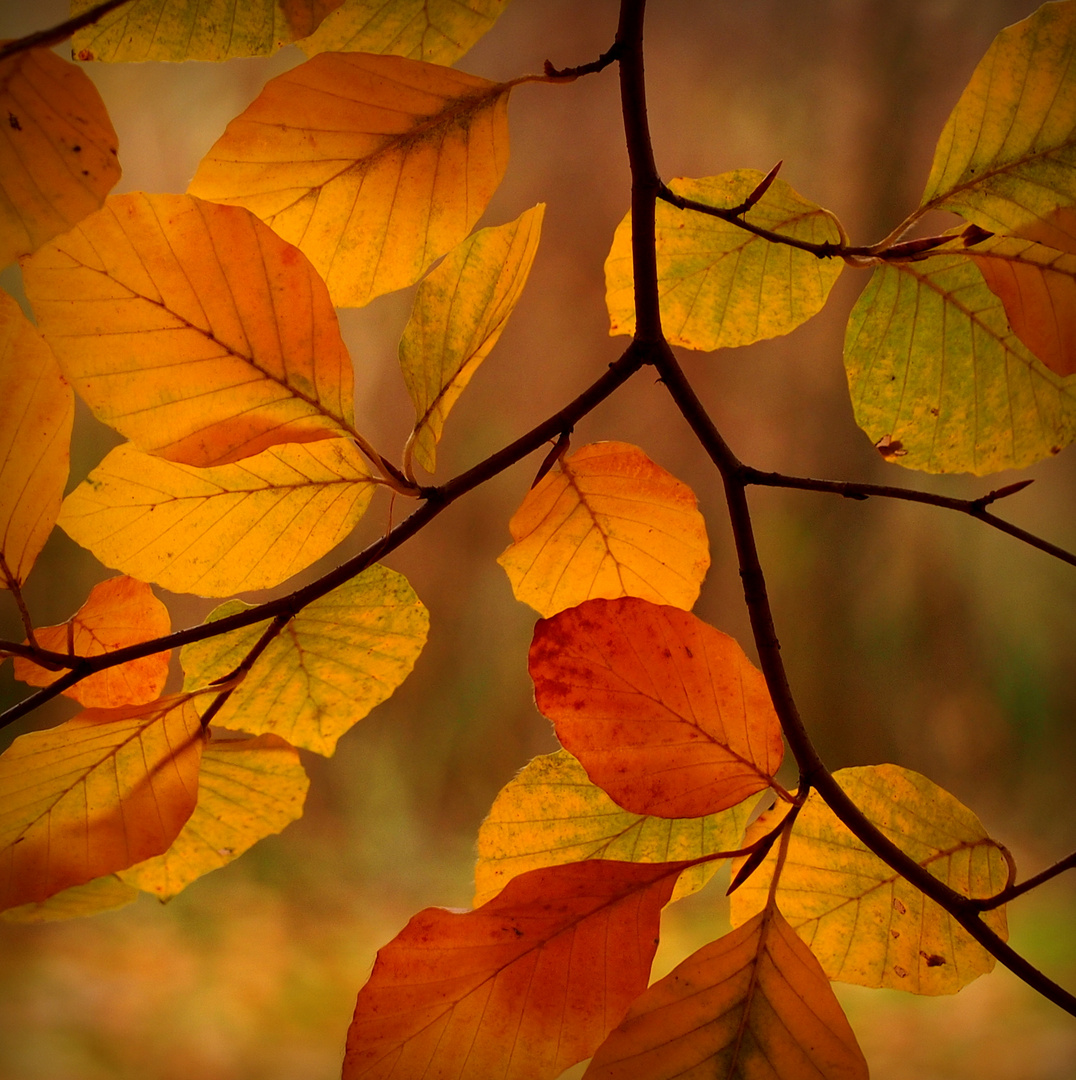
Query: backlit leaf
point(221, 530)
point(665, 713)
point(192, 329)
point(459, 313)
point(102, 894)
point(864, 922)
point(373, 165)
point(335, 661)
point(117, 613)
point(754, 1003)
point(722, 286)
point(607, 523)
point(95, 795)
point(519, 989)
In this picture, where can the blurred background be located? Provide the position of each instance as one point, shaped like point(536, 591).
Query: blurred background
point(910, 635)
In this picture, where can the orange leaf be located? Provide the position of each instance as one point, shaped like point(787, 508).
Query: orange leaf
point(665, 713)
point(117, 613)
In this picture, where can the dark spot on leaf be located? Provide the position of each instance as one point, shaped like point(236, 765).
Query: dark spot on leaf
point(1055, 449)
point(933, 959)
point(898, 906)
point(690, 654)
point(933, 411)
point(890, 448)
point(76, 149)
point(83, 54)
point(13, 122)
point(85, 172)
point(894, 934)
point(900, 971)
point(666, 653)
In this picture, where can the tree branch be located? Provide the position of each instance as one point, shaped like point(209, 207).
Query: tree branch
point(1013, 891)
point(45, 39)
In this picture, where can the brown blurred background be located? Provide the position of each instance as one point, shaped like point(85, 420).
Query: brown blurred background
point(910, 636)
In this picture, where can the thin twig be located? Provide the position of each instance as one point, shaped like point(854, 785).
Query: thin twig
point(570, 74)
point(45, 39)
point(1013, 891)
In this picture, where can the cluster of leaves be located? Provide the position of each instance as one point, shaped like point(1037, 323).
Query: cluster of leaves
point(202, 327)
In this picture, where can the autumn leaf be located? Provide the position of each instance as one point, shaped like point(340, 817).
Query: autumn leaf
point(97, 896)
point(519, 989)
point(460, 310)
point(95, 795)
point(221, 530)
point(665, 713)
point(117, 613)
point(864, 922)
point(192, 329)
point(374, 166)
point(754, 1003)
point(719, 285)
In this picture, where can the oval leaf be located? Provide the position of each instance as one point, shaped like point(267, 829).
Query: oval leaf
point(102, 894)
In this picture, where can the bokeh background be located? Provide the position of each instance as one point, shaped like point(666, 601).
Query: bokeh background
point(910, 635)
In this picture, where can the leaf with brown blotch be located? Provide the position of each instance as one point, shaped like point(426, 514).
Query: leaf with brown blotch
point(665, 713)
point(519, 989)
point(95, 795)
point(374, 166)
point(754, 1003)
point(607, 523)
point(102, 894)
point(117, 613)
point(193, 329)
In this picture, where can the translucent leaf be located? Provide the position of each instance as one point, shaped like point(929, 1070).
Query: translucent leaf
point(341, 656)
point(192, 329)
point(665, 713)
point(221, 530)
point(607, 523)
point(459, 313)
point(718, 284)
point(117, 613)
point(374, 166)
point(102, 894)
point(864, 922)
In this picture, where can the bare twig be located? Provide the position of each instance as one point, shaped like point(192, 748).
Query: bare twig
point(1015, 890)
point(45, 39)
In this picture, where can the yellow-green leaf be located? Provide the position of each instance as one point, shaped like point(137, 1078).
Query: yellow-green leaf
point(864, 922)
point(374, 166)
point(221, 530)
point(192, 329)
point(722, 286)
point(460, 310)
point(335, 661)
point(102, 894)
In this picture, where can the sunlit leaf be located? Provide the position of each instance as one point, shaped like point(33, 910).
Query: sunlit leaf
point(754, 1003)
point(192, 329)
point(373, 165)
point(247, 790)
point(342, 655)
point(95, 795)
point(459, 313)
point(666, 713)
point(864, 922)
point(719, 285)
point(102, 894)
point(607, 523)
point(519, 989)
point(551, 814)
point(222, 530)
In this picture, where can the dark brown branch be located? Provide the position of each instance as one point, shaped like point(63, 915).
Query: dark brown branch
point(1013, 891)
point(570, 74)
point(45, 39)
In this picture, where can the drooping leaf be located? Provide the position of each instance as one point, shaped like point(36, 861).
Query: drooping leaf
point(57, 150)
point(373, 165)
point(519, 989)
point(221, 530)
point(754, 1003)
point(36, 412)
point(607, 523)
point(938, 377)
point(192, 329)
point(718, 284)
point(864, 922)
point(665, 713)
point(95, 795)
point(102, 894)
point(460, 310)
point(341, 656)
point(248, 789)
point(551, 814)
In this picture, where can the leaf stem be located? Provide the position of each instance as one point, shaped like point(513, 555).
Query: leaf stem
point(1015, 890)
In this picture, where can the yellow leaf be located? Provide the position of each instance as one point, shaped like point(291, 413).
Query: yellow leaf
point(222, 530)
point(607, 523)
point(551, 813)
point(57, 150)
point(373, 165)
point(459, 313)
point(335, 661)
point(36, 412)
point(719, 285)
point(192, 329)
point(102, 894)
point(95, 795)
point(247, 790)
point(864, 922)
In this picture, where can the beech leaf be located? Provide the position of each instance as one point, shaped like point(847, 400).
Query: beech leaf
point(102, 894)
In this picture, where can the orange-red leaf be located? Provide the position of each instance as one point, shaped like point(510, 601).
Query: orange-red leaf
point(666, 713)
